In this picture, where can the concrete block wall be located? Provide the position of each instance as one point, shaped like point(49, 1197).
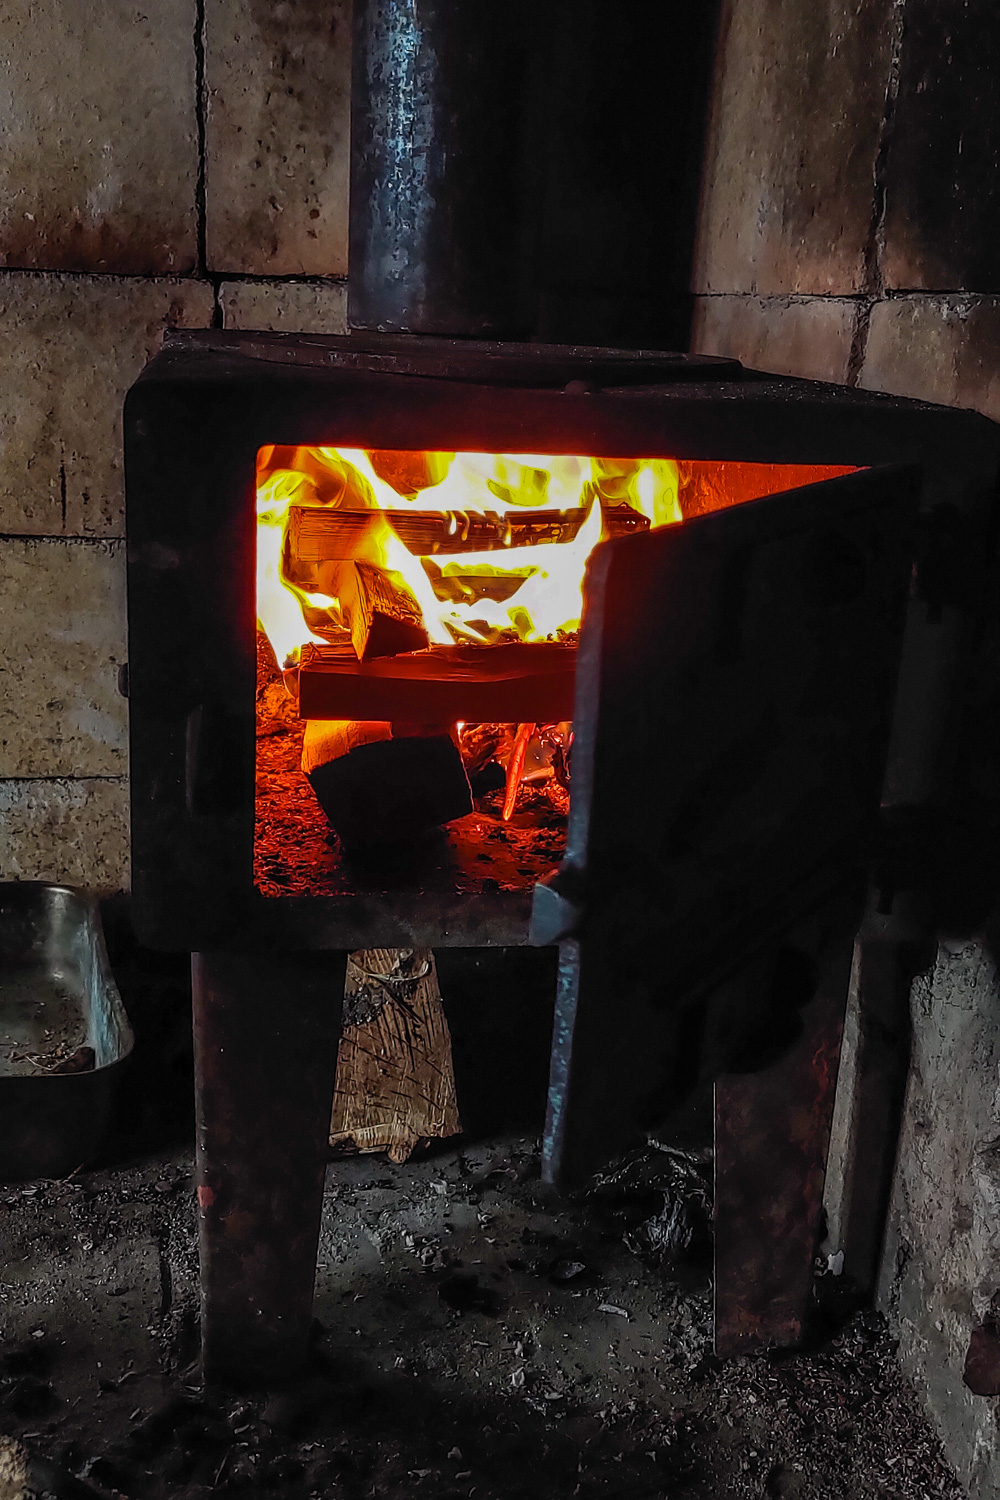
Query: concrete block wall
point(850, 231)
point(850, 226)
point(184, 165)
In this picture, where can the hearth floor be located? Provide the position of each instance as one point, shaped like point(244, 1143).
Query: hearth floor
point(458, 1354)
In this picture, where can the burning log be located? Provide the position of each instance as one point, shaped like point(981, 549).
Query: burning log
point(395, 1087)
point(377, 788)
point(375, 603)
point(317, 534)
point(382, 615)
point(512, 683)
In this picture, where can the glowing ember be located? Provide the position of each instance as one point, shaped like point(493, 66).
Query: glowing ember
point(510, 592)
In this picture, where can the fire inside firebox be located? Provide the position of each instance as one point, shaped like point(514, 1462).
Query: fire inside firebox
point(417, 618)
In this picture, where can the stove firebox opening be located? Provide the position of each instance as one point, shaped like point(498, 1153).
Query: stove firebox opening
point(417, 620)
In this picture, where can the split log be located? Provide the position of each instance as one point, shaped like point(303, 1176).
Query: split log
point(318, 534)
point(377, 788)
point(326, 740)
point(379, 610)
point(395, 1085)
point(504, 684)
point(473, 585)
point(374, 603)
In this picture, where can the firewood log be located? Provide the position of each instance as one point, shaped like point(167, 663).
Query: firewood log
point(382, 615)
point(379, 789)
point(512, 683)
point(395, 1086)
point(375, 604)
point(318, 533)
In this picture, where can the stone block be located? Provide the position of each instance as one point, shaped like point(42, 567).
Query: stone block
point(809, 336)
point(277, 136)
point(285, 306)
point(62, 643)
point(942, 209)
point(69, 830)
point(100, 158)
point(70, 347)
point(942, 1259)
point(943, 349)
point(790, 160)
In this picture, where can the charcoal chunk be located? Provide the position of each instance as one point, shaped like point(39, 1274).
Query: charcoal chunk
point(393, 790)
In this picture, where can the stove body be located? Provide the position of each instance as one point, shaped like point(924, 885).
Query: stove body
point(679, 628)
point(194, 423)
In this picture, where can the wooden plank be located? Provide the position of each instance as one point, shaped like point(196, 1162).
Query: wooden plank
point(503, 684)
point(395, 1087)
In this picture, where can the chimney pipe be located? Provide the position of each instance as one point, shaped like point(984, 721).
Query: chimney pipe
point(437, 167)
point(527, 168)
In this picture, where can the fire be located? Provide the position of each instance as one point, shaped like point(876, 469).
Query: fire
point(530, 592)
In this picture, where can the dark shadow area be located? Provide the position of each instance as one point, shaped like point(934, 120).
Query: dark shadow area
point(622, 112)
point(155, 1105)
point(499, 1004)
point(962, 845)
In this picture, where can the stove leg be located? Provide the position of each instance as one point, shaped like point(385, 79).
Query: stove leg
point(772, 1136)
point(266, 1028)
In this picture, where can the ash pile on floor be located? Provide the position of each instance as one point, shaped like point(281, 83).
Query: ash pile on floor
point(475, 1337)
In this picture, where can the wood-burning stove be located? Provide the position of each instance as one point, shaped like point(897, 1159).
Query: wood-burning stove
point(732, 707)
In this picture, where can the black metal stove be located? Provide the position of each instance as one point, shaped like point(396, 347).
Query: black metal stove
point(733, 706)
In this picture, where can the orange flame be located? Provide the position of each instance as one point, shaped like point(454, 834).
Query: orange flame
point(531, 593)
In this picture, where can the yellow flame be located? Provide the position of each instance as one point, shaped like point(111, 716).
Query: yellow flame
point(279, 604)
point(547, 605)
point(542, 583)
point(654, 492)
point(487, 481)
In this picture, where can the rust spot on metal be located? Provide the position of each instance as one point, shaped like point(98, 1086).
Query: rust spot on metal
point(771, 1143)
point(206, 1197)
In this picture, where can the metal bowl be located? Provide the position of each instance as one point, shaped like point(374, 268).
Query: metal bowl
point(64, 1033)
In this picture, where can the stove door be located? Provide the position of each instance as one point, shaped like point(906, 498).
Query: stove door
point(734, 693)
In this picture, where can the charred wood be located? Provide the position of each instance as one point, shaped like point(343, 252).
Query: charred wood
point(379, 789)
point(515, 767)
point(395, 1088)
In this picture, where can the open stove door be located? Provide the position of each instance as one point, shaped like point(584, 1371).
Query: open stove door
point(734, 693)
